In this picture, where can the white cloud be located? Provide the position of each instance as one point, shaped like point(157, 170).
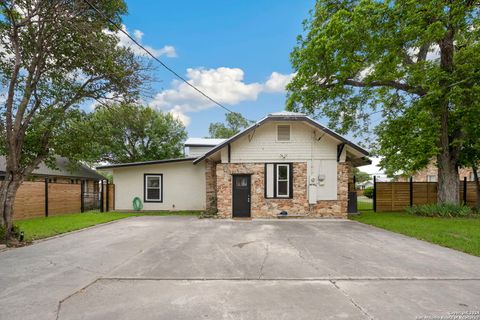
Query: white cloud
point(432, 55)
point(366, 72)
point(225, 85)
point(277, 82)
point(168, 50)
point(137, 34)
point(180, 116)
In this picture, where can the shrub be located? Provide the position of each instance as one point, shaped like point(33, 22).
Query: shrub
point(15, 233)
point(368, 192)
point(446, 210)
point(212, 210)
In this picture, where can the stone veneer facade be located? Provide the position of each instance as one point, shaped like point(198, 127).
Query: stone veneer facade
point(269, 208)
point(211, 184)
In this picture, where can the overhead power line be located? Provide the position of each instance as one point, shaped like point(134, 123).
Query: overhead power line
point(119, 28)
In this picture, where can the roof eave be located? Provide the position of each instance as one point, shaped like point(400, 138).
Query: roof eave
point(144, 163)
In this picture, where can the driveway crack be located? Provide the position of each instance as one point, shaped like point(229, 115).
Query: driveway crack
point(358, 306)
point(301, 256)
point(267, 251)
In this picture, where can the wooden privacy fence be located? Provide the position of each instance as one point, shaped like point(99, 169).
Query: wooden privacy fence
point(397, 196)
point(43, 199)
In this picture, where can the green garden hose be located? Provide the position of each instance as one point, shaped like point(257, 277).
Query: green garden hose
point(137, 204)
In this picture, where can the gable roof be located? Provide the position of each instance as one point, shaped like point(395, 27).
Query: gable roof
point(64, 168)
point(283, 116)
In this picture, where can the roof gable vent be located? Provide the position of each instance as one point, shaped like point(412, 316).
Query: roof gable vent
point(283, 132)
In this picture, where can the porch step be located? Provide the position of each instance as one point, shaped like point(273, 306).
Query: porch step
point(291, 216)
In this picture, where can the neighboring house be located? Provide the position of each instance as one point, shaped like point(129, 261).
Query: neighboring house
point(65, 172)
point(286, 161)
point(430, 174)
point(364, 185)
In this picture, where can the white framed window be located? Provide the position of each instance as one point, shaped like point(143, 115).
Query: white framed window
point(432, 178)
point(283, 180)
point(283, 132)
point(278, 180)
point(153, 187)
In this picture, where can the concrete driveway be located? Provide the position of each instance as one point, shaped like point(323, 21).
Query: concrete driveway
point(186, 268)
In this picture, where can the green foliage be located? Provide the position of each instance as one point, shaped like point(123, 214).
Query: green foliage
point(360, 176)
point(127, 133)
point(368, 192)
point(235, 123)
point(14, 233)
point(470, 155)
point(444, 210)
point(402, 65)
point(212, 210)
point(65, 61)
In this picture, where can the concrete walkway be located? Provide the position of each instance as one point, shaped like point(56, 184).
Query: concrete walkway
point(186, 268)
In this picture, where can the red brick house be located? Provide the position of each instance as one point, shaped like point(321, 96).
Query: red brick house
point(430, 174)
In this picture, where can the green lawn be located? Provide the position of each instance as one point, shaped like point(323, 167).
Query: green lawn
point(462, 234)
point(38, 228)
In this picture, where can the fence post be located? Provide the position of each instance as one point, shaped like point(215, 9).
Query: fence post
point(464, 190)
point(101, 195)
point(107, 197)
point(46, 196)
point(82, 196)
point(411, 192)
point(374, 193)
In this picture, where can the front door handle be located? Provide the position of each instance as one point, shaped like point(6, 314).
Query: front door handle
point(248, 199)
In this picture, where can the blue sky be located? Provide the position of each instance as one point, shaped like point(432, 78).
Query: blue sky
point(232, 48)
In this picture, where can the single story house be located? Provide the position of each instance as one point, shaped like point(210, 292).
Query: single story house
point(284, 162)
point(364, 185)
point(65, 173)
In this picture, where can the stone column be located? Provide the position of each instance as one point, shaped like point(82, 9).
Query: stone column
point(211, 185)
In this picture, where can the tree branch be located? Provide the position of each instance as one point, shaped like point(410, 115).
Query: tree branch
point(387, 83)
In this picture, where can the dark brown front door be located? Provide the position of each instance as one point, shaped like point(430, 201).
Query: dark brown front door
point(241, 196)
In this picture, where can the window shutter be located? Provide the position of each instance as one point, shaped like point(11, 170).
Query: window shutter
point(269, 180)
point(291, 181)
point(283, 132)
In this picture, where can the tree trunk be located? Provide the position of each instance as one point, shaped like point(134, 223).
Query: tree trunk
point(8, 192)
point(477, 184)
point(448, 181)
point(447, 159)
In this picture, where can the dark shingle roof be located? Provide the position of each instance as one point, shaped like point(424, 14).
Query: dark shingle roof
point(64, 169)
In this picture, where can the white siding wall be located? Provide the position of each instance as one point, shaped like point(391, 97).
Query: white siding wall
point(197, 151)
point(264, 146)
point(320, 155)
point(183, 186)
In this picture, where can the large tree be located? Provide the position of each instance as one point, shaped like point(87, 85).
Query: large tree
point(235, 123)
point(361, 176)
point(54, 55)
point(127, 133)
point(408, 63)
